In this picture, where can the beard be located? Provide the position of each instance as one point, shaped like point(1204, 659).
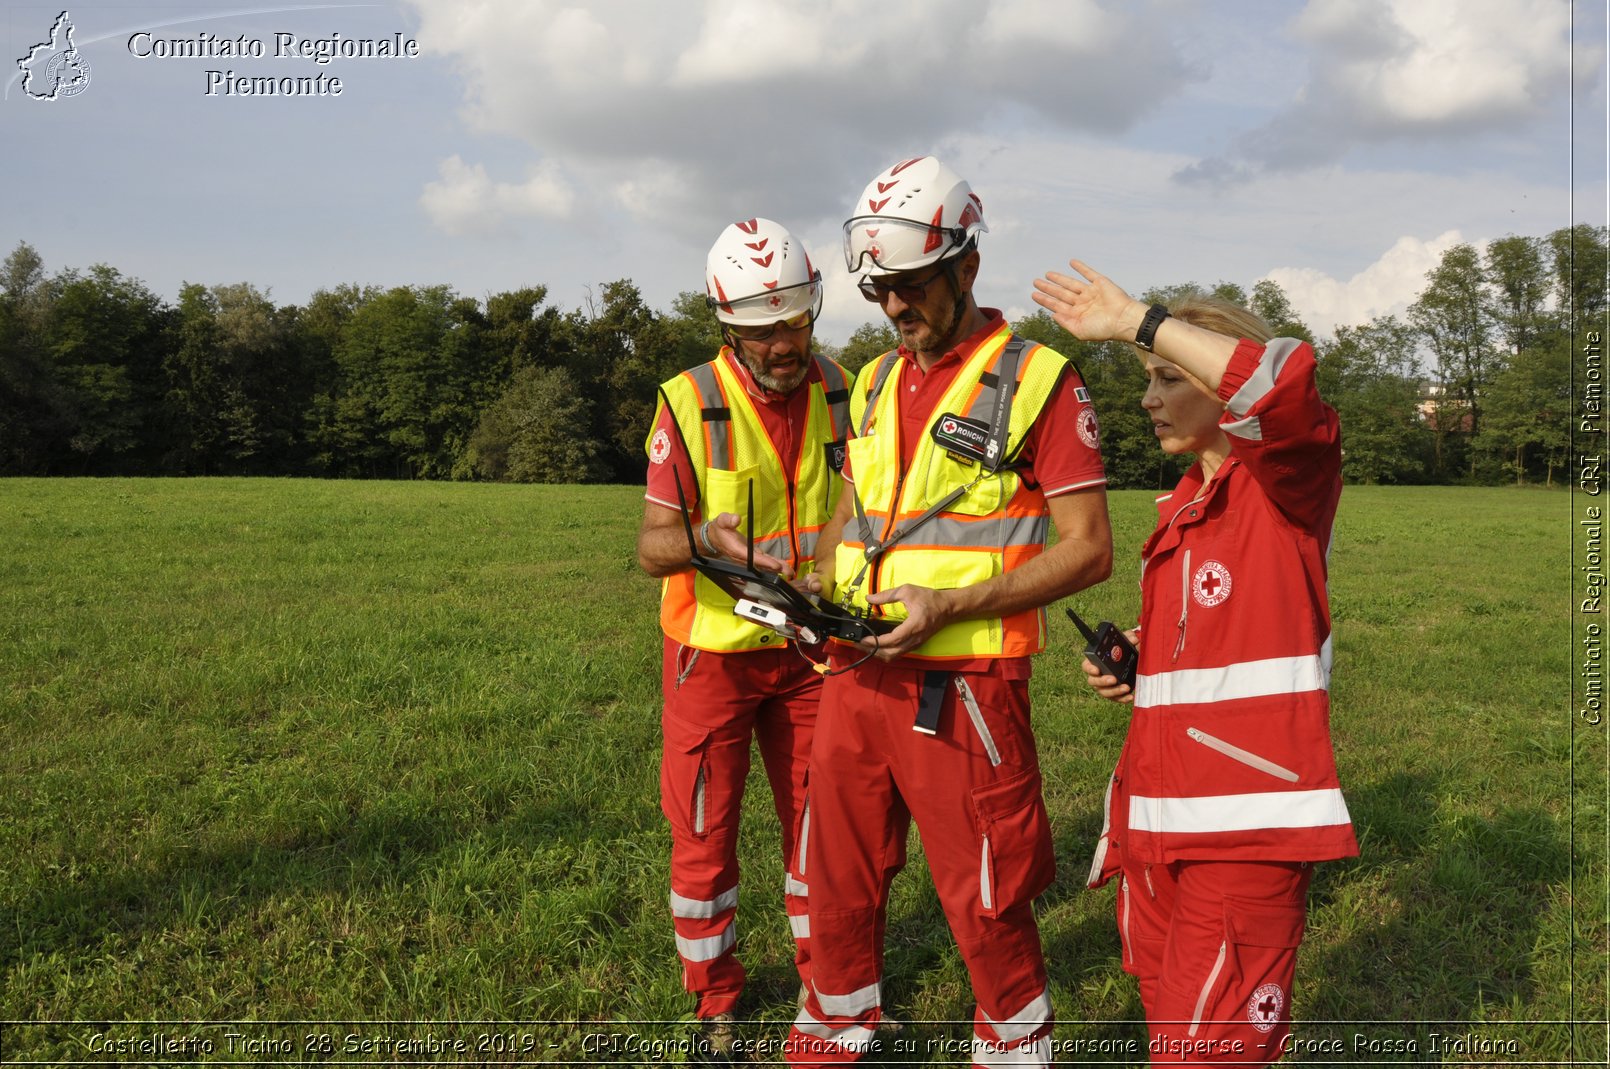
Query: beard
point(940, 325)
point(783, 383)
point(934, 338)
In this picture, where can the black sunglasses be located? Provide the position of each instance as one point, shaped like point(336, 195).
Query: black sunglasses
point(877, 290)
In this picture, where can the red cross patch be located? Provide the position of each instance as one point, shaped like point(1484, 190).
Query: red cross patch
point(1263, 1008)
point(660, 447)
point(1211, 584)
point(1089, 428)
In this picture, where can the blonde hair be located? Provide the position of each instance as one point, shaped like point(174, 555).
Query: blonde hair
point(1221, 317)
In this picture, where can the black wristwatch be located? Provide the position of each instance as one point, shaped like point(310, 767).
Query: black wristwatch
point(1148, 326)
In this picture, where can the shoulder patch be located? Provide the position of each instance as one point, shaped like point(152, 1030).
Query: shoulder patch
point(659, 447)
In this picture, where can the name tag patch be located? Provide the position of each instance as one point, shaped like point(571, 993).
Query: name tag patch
point(966, 438)
point(836, 454)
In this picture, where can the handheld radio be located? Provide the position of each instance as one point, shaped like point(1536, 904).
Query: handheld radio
point(769, 600)
point(1110, 649)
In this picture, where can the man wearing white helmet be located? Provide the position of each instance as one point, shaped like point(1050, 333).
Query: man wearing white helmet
point(766, 413)
point(967, 444)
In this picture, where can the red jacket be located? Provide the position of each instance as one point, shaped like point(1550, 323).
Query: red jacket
point(1229, 752)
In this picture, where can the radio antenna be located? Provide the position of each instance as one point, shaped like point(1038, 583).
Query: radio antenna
point(1090, 636)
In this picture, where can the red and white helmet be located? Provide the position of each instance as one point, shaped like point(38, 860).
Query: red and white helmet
point(757, 273)
point(918, 212)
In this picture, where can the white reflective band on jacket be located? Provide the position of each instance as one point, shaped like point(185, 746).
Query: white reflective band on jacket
point(1238, 812)
point(1245, 679)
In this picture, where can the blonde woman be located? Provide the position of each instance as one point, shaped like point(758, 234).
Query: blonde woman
point(1225, 793)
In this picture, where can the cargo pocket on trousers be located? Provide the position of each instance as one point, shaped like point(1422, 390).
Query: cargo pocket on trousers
point(685, 782)
point(1015, 860)
point(1262, 941)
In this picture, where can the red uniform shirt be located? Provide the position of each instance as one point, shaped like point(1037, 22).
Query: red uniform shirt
point(1054, 457)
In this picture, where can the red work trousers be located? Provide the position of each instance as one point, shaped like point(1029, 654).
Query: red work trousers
point(714, 704)
point(1214, 945)
point(973, 787)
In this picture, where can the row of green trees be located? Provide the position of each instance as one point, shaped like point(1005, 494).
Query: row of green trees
point(1473, 384)
point(100, 376)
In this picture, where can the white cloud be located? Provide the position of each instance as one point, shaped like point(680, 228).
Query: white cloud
point(785, 109)
point(466, 201)
point(1386, 71)
point(1386, 287)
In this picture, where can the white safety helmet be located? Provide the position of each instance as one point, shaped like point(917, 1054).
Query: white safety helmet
point(916, 213)
point(757, 274)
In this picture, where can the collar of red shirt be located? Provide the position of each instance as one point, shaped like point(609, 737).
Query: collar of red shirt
point(813, 373)
point(968, 345)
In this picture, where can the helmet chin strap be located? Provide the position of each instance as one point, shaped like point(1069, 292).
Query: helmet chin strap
point(959, 308)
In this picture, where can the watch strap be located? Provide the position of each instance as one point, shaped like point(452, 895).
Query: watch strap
point(1148, 326)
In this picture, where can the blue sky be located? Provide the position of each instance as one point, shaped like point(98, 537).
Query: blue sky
point(1337, 146)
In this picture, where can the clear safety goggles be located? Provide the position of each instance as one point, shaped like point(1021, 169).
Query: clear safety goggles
point(763, 332)
point(755, 317)
point(885, 243)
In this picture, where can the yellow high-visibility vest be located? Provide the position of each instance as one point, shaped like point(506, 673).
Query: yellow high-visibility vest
point(730, 450)
point(996, 525)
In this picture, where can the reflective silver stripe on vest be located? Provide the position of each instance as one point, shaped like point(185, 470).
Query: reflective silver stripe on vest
point(834, 381)
point(992, 532)
point(778, 546)
point(889, 360)
point(703, 909)
point(807, 544)
point(708, 388)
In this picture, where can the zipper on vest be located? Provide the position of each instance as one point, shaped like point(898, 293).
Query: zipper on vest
point(1185, 603)
point(1236, 753)
point(793, 528)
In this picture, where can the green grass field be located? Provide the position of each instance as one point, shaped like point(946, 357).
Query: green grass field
point(374, 766)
